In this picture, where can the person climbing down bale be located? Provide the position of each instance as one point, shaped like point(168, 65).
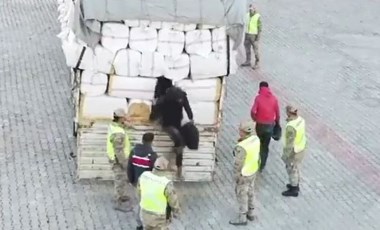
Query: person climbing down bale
point(168, 109)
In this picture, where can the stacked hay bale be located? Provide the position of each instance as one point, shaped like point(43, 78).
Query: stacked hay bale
point(122, 71)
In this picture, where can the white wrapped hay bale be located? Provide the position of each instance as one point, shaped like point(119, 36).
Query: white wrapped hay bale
point(170, 42)
point(93, 84)
point(205, 113)
point(115, 29)
point(155, 24)
point(152, 64)
point(143, 39)
point(205, 27)
point(114, 44)
point(100, 107)
point(127, 63)
point(103, 59)
point(132, 87)
point(219, 40)
point(201, 90)
point(73, 50)
point(132, 23)
point(178, 67)
point(184, 27)
point(198, 42)
point(214, 65)
point(139, 110)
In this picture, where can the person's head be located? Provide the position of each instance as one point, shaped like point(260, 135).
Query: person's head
point(291, 111)
point(120, 116)
point(147, 138)
point(252, 9)
point(246, 128)
point(263, 84)
point(161, 163)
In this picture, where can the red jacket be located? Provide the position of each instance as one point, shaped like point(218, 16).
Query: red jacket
point(265, 109)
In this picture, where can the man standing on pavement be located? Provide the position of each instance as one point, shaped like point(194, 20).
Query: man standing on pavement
point(155, 193)
point(247, 157)
point(252, 36)
point(118, 149)
point(142, 159)
point(294, 149)
point(265, 112)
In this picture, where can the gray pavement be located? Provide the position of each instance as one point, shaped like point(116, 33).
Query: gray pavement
point(323, 56)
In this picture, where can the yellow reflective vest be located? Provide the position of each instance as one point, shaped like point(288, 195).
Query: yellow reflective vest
point(253, 23)
point(112, 129)
point(251, 145)
point(300, 139)
point(152, 189)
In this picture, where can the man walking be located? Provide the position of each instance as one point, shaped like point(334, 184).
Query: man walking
point(155, 193)
point(142, 159)
point(252, 36)
point(118, 149)
point(247, 157)
point(294, 149)
point(265, 112)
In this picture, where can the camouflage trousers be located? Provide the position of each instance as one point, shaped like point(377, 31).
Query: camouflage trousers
point(293, 172)
point(153, 221)
point(250, 41)
point(120, 182)
point(245, 193)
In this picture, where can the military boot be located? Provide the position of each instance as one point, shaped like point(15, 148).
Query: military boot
point(241, 219)
point(289, 186)
point(257, 65)
point(250, 215)
point(122, 207)
point(246, 63)
point(292, 191)
point(139, 228)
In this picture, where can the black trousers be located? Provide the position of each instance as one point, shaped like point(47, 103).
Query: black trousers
point(176, 136)
point(264, 132)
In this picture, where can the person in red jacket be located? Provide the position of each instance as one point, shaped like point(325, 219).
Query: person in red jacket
point(265, 112)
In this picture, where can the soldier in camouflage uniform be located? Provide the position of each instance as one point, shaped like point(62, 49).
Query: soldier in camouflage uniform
point(118, 149)
point(294, 149)
point(247, 161)
point(156, 194)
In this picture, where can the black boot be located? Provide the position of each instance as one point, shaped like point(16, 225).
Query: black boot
point(289, 186)
point(292, 191)
point(139, 228)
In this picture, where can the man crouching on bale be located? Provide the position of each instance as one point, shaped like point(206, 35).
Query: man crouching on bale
point(169, 108)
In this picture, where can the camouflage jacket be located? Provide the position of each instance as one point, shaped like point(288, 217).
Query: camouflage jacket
point(118, 142)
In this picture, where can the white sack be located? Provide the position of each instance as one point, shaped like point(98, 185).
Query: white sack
point(143, 39)
point(219, 40)
point(201, 90)
point(152, 64)
point(114, 29)
point(168, 25)
point(101, 107)
point(93, 84)
point(103, 59)
point(114, 44)
point(155, 24)
point(132, 87)
point(198, 42)
point(178, 67)
point(127, 63)
point(205, 27)
point(132, 23)
point(170, 42)
point(72, 51)
point(184, 27)
point(205, 113)
point(214, 65)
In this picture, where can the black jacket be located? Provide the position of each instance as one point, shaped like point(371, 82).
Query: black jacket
point(141, 159)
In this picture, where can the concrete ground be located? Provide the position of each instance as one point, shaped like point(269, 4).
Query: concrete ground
point(320, 56)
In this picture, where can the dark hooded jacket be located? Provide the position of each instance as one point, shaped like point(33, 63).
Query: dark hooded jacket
point(265, 109)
